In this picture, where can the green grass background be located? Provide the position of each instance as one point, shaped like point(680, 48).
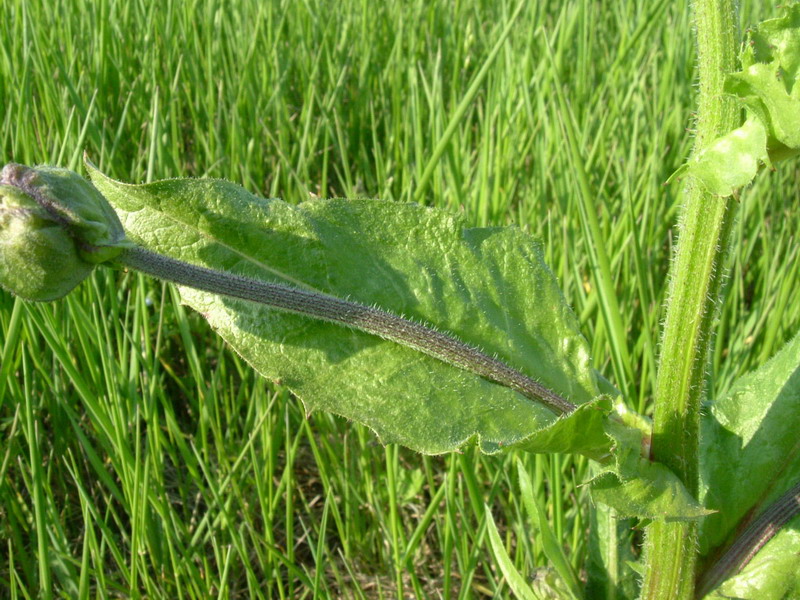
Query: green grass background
point(139, 457)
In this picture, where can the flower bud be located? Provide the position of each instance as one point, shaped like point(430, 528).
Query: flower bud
point(54, 228)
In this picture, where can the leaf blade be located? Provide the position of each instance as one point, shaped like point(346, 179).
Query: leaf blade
point(513, 577)
point(490, 285)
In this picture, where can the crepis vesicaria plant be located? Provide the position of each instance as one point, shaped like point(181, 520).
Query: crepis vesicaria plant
point(56, 227)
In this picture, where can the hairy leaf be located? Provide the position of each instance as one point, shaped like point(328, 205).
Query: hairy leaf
point(774, 573)
point(766, 86)
point(637, 487)
point(730, 162)
point(750, 456)
point(488, 286)
point(769, 73)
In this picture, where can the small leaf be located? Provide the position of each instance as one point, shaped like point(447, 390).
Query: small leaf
point(652, 492)
point(582, 432)
point(730, 162)
point(488, 286)
point(750, 456)
point(638, 487)
point(766, 86)
point(776, 40)
point(764, 92)
point(767, 83)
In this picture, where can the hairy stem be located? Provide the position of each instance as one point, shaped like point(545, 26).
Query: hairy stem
point(695, 282)
point(350, 314)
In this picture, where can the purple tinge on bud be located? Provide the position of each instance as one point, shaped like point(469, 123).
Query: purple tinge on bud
point(54, 228)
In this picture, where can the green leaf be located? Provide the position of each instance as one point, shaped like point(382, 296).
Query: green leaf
point(612, 570)
point(773, 574)
point(638, 487)
point(550, 544)
point(750, 456)
point(766, 86)
point(582, 431)
point(765, 94)
point(650, 492)
point(544, 583)
point(767, 81)
point(488, 286)
point(730, 162)
point(513, 577)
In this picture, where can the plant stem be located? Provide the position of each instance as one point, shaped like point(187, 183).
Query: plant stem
point(695, 282)
point(350, 314)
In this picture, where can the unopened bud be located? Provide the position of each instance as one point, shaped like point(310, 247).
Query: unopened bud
point(54, 228)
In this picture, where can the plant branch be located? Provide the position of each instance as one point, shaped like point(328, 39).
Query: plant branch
point(350, 314)
point(695, 282)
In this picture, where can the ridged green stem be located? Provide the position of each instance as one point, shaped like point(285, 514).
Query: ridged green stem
point(695, 282)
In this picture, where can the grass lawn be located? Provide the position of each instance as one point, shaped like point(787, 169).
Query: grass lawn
point(140, 457)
